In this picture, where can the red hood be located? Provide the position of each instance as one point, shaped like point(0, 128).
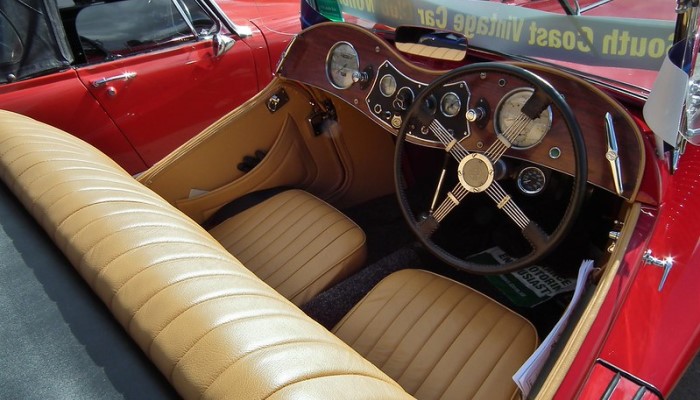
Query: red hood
point(273, 24)
point(280, 16)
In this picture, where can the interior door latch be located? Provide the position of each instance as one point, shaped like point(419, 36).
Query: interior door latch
point(277, 100)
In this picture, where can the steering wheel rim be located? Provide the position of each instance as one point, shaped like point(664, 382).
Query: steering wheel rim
point(544, 243)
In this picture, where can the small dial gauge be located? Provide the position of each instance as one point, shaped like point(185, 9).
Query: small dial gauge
point(531, 180)
point(430, 104)
point(387, 85)
point(341, 63)
point(450, 104)
point(509, 111)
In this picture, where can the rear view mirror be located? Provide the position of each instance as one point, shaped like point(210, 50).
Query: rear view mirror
point(222, 44)
point(424, 42)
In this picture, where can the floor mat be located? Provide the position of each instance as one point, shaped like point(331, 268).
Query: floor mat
point(527, 287)
point(329, 307)
point(384, 225)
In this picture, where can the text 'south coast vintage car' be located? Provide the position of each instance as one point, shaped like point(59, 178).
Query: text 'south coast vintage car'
point(96, 68)
point(430, 199)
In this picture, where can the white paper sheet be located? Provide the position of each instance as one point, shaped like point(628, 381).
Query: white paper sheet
point(664, 107)
point(527, 374)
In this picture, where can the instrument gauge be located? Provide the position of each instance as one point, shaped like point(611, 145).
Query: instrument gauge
point(387, 85)
point(430, 104)
point(531, 180)
point(450, 104)
point(509, 111)
point(342, 61)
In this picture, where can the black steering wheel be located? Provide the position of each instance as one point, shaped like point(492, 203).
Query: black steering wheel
point(475, 171)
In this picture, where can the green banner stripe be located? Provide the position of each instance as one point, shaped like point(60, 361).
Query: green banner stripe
point(606, 41)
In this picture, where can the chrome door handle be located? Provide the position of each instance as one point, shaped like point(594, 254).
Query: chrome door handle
point(123, 77)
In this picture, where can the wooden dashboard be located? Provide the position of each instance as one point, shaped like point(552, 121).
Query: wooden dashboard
point(384, 100)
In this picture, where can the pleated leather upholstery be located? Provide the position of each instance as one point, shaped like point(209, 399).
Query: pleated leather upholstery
point(211, 326)
point(438, 338)
point(294, 242)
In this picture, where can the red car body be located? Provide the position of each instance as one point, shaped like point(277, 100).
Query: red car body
point(645, 334)
point(193, 86)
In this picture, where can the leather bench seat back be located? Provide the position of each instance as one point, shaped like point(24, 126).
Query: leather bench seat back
point(294, 242)
point(212, 327)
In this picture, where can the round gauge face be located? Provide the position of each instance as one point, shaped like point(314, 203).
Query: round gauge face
point(387, 85)
point(531, 180)
point(341, 63)
point(509, 110)
point(450, 104)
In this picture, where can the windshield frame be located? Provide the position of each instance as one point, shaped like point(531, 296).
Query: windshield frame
point(594, 45)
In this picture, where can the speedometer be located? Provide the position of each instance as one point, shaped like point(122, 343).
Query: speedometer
point(342, 61)
point(508, 112)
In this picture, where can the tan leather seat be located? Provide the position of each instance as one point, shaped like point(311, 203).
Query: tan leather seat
point(294, 242)
point(214, 329)
point(438, 338)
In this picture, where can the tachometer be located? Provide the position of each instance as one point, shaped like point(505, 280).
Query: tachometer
point(509, 111)
point(342, 61)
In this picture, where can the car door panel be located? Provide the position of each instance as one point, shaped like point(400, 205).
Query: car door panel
point(61, 100)
point(154, 108)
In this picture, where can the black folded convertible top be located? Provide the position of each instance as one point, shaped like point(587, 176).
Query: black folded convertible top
point(32, 39)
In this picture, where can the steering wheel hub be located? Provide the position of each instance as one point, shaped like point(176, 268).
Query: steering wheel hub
point(475, 172)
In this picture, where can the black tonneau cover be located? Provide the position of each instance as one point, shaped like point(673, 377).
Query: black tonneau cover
point(32, 39)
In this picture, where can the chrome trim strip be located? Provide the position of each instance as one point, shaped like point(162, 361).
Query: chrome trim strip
point(242, 31)
point(594, 5)
point(629, 376)
point(612, 154)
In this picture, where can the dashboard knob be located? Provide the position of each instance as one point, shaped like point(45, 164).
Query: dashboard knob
point(396, 121)
point(475, 114)
point(361, 77)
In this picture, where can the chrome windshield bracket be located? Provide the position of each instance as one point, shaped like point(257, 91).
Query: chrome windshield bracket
point(665, 263)
point(683, 5)
point(612, 154)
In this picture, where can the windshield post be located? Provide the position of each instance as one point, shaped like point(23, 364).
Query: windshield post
point(568, 9)
point(686, 30)
point(686, 23)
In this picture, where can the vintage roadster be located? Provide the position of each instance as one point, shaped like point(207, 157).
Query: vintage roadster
point(514, 224)
point(92, 68)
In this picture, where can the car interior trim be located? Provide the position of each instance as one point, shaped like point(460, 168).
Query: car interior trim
point(569, 349)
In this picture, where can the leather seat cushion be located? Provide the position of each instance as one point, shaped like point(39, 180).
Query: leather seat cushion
point(294, 242)
point(438, 338)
